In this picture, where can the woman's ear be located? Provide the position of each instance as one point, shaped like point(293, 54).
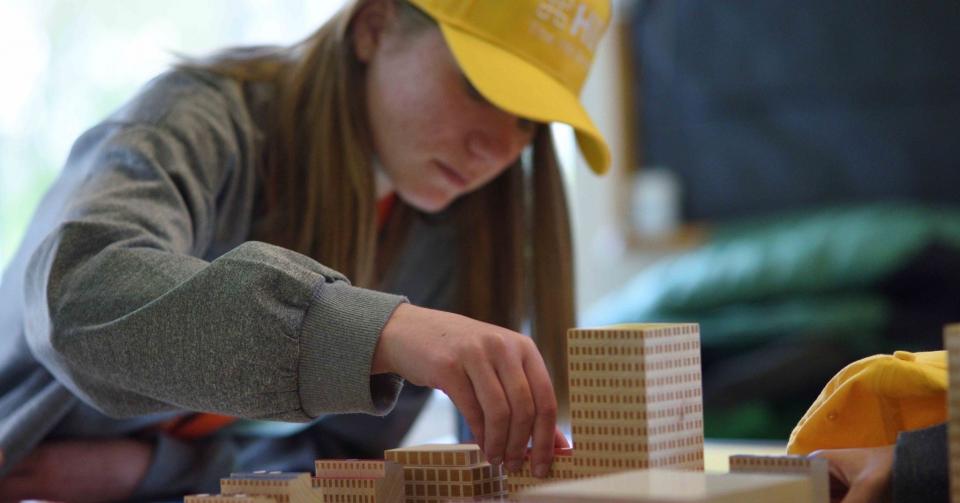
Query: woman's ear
point(369, 25)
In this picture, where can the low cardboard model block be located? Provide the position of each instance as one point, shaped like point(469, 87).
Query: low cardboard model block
point(439, 473)
point(562, 469)
point(816, 469)
point(287, 487)
point(951, 342)
point(359, 481)
point(667, 486)
point(219, 498)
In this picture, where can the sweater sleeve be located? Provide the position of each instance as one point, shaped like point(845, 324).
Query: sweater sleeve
point(179, 467)
point(920, 466)
point(123, 310)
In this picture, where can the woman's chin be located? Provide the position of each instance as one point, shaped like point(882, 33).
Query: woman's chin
point(434, 202)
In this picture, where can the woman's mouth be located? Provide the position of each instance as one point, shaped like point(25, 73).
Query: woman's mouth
point(452, 175)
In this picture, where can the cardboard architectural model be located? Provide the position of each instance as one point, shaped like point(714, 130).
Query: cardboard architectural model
point(816, 469)
point(635, 399)
point(562, 469)
point(436, 473)
point(337, 481)
point(236, 498)
point(680, 486)
point(359, 481)
point(261, 486)
point(636, 408)
point(951, 342)
point(635, 402)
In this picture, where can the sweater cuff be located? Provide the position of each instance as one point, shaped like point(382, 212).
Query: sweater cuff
point(920, 470)
point(337, 340)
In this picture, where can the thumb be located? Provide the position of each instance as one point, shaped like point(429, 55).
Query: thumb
point(864, 491)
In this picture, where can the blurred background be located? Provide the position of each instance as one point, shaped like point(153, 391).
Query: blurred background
point(788, 177)
point(69, 63)
point(785, 173)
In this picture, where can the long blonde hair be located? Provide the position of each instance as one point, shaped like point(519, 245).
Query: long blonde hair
point(318, 197)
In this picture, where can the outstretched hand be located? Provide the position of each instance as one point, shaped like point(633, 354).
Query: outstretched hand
point(495, 377)
point(859, 475)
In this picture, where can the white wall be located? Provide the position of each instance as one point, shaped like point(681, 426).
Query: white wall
point(603, 260)
point(67, 64)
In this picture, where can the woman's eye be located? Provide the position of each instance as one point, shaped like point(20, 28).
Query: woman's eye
point(472, 91)
point(526, 125)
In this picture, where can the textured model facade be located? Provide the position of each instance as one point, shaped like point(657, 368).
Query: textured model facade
point(219, 498)
point(337, 481)
point(359, 481)
point(563, 468)
point(436, 473)
point(676, 486)
point(280, 487)
point(635, 402)
point(636, 397)
point(951, 342)
point(816, 469)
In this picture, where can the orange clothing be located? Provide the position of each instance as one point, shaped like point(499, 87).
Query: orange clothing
point(194, 426)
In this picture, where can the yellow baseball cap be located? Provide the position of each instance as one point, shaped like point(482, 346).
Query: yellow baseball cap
point(872, 400)
point(529, 57)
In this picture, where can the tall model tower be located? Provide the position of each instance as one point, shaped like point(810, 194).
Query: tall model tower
point(636, 397)
point(951, 341)
point(635, 402)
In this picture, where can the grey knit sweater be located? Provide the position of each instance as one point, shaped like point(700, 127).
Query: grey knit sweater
point(136, 295)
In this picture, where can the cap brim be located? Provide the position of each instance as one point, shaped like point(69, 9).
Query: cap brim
point(522, 89)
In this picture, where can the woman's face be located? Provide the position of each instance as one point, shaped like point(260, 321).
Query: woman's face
point(435, 136)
